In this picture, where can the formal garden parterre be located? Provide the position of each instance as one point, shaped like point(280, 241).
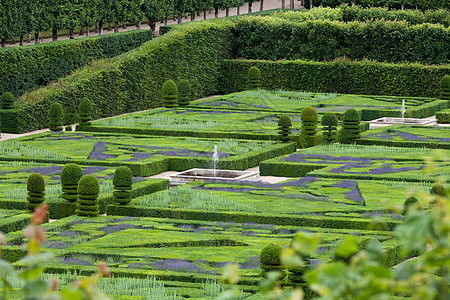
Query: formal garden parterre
point(176, 243)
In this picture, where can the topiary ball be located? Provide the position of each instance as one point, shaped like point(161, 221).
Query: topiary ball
point(409, 203)
point(351, 115)
point(36, 183)
point(184, 92)
point(309, 114)
point(123, 177)
point(271, 255)
point(7, 101)
point(284, 121)
point(88, 185)
point(71, 174)
point(329, 120)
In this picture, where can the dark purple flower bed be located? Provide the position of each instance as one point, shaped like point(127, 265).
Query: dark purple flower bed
point(75, 261)
point(97, 152)
point(43, 170)
point(179, 265)
point(186, 152)
point(354, 194)
point(406, 136)
point(108, 229)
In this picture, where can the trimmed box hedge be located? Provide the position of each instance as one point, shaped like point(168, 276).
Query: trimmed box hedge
point(443, 117)
point(29, 67)
point(339, 76)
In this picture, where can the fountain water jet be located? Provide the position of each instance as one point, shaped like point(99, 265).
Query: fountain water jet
point(215, 159)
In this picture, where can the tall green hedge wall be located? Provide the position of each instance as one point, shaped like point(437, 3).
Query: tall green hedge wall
point(341, 76)
point(133, 81)
point(26, 68)
point(273, 38)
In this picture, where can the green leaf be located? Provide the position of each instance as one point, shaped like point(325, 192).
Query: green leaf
point(415, 232)
point(71, 294)
point(348, 246)
point(30, 274)
point(35, 259)
point(35, 288)
point(5, 268)
point(305, 243)
point(374, 251)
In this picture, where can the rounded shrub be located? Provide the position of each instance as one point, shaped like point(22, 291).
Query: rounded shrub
point(271, 256)
point(329, 123)
point(123, 181)
point(284, 128)
point(70, 175)
point(184, 92)
point(85, 111)
point(309, 125)
point(350, 127)
point(254, 78)
point(439, 190)
point(445, 87)
point(411, 203)
point(7, 101)
point(36, 191)
point(55, 117)
point(88, 190)
point(170, 94)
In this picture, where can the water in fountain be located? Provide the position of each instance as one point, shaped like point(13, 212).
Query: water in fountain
point(403, 110)
point(215, 159)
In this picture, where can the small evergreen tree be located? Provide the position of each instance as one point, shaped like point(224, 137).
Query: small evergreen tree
point(170, 94)
point(350, 127)
point(85, 111)
point(88, 190)
point(309, 125)
point(284, 127)
point(36, 191)
point(7, 101)
point(254, 78)
point(184, 92)
point(123, 181)
point(329, 123)
point(445, 87)
point(270, 259)
point(70, 117)
point(55, 117)
point(70, 175)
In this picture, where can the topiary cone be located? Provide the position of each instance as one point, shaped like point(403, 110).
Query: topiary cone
point(88, 190)
point(55, 122)
point(254, 78)
point(170, 94)
point(36, 191)
point(70, 175)
point(184, 92)
point(122, 181)
point(85, 111)
point(7, 101)
point(284, 127)
point(445, 87)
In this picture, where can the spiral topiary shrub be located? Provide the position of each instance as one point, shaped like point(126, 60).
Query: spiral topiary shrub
point(170, 94)
point(284, 128)
point(85, 111)
point(254, 78)
point(445, 87)
point(55, 122)
point(7, 101)
point(184, 92)
point(329, 123)
point(70, 175)
point(309, 125)
point(88, 190)
point(411, 203)
point(350, 127)
point(36, 191)
point(270, 258)
point(123, 181)
point(70, 117)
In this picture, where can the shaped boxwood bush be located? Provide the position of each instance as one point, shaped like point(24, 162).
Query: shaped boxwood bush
point(88, 190)
point(170, 94)
point(36, 191)
point(270, 258)
point(350, 127)
point(184, 92)
point(7, 101)
point(123, 181)
point(55, 122)
point(85, 111)
point(411, 203)
point(284, 127)
point(70, 117)
point(254, 78)
point(445, 87)
point(329, 123)
point(70, 175)
point(309, 125)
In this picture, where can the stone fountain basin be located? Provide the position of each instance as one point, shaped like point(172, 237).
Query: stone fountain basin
point(203, 174)
point(399, 121)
